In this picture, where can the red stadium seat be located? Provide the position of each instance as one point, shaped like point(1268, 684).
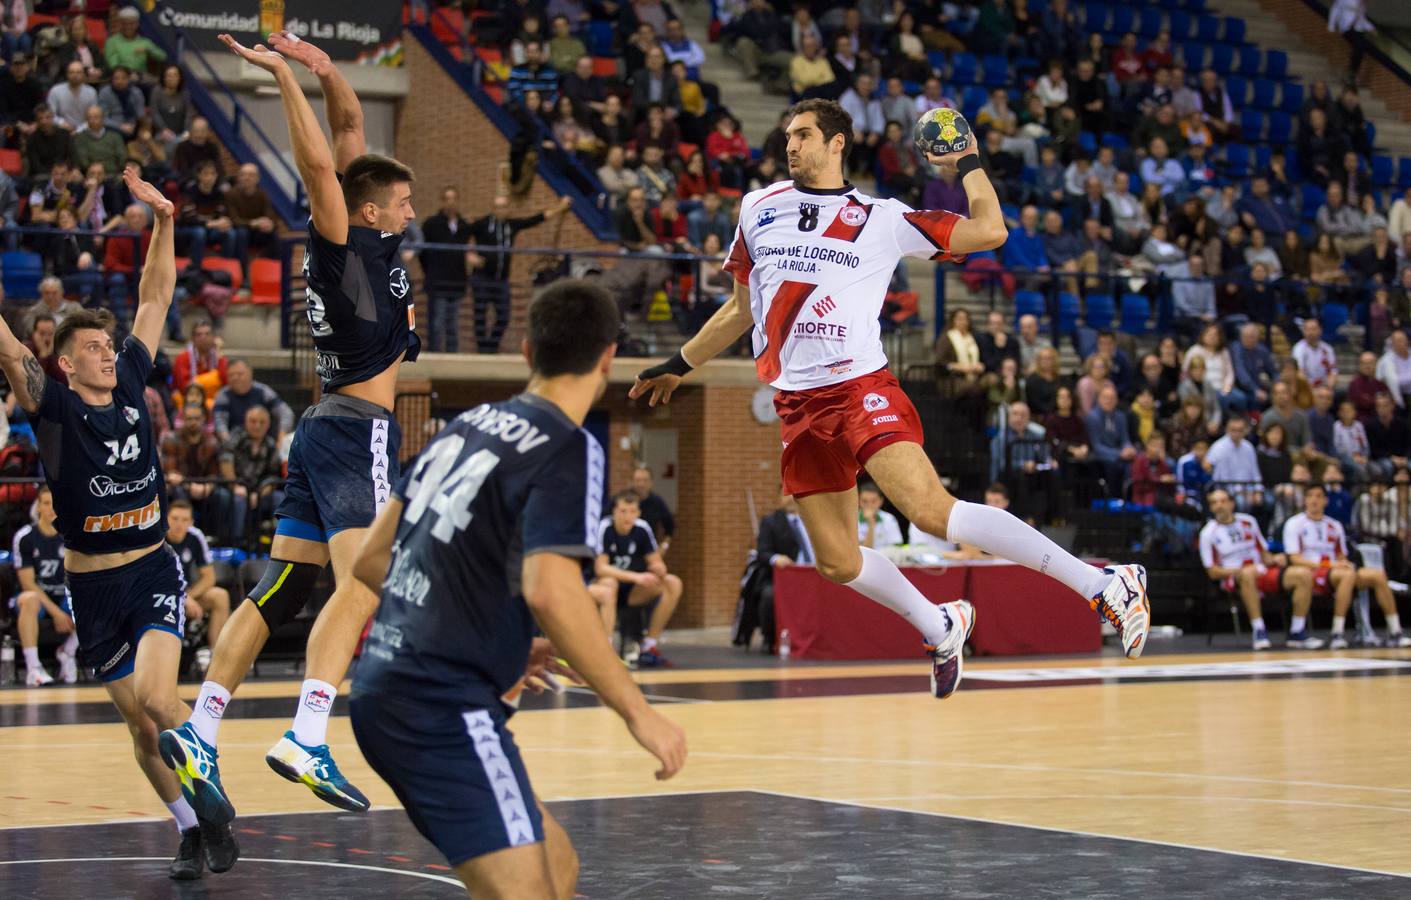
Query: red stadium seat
point(10, 162)
point(97, 31)
point(604, 67)
point(685, 150)
point(447, 25)
point(496, 93)
point(491, 55)
point(264, 282)
point(220, 264)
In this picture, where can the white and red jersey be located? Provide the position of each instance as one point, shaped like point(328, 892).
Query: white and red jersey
point(1323, 540)
point(1240, 543)
point(818, 263)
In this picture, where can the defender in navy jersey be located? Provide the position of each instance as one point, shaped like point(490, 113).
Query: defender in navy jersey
point(344, 457)
point(100, 459)
point(630, 564)
point(37, 553)
point(487, 534)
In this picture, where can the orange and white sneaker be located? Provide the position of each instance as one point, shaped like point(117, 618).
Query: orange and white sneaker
point(948, 657)
point(1124, 604)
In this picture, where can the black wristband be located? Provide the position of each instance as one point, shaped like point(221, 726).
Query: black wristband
point(966, 164)
point(676, 365)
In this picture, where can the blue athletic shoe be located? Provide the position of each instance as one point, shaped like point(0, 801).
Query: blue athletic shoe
point(1261, 639)
point(194, 762)
point(314, 766)
point(1301, 640)
point(948, 657)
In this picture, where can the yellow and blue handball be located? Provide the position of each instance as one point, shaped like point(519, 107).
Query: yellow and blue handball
point(942, 131)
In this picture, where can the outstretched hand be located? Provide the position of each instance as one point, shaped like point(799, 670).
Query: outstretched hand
point(301, 51)
point(143, 192)
point(258, 55)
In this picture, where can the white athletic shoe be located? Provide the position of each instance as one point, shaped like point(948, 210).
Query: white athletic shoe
point(1398, 640)
point(1124, 604)
point(68, 667)
point(37, 677)
point(1338, 641)
point(948, 657)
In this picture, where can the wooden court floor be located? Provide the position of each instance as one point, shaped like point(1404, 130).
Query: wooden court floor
point(1286, 756)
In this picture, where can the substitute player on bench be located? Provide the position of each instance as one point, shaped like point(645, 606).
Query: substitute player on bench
point(38, 557)
point(812, 259)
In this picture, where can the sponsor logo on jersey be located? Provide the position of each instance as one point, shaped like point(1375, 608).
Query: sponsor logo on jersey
point(142, 517)
point(821, 329)
point(399, 283)
point(838, 366)
point(318, 701)
point(853, 215)
point(824, 307)
point(131, 415)
point(103, 486)
point(765, 217)
point(889, 417)
point(874, 402)
point(215, 707)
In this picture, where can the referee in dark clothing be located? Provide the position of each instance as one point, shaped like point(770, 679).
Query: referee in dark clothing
point(490, 281)
point(444, 272)
point(655, 512)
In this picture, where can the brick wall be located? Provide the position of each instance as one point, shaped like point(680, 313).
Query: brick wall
point(1313, 30)
point(721, 452)
point(448, 142)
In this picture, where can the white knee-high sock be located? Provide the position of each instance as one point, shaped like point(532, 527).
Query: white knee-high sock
point(996, 531)
point(882, 581)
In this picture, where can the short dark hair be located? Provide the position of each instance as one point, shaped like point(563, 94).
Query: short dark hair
point(997, 487)
point(831, 118)
point(1312, 485)
point(570, 325)
point(44, 316)
point(871, 486)
point(369, 176)
point(626, 497)
point(99, 319)
point(181, 503)
point(1217, 489)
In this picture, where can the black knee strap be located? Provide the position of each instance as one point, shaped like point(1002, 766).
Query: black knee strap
point(283, 591)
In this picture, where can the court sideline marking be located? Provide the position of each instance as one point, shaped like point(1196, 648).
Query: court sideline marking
point(255, 859)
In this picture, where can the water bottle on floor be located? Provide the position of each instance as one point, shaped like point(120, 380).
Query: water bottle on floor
point(7, 661)
point(784, 647)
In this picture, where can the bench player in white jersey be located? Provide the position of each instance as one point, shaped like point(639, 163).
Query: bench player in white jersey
point(1319, 542)
point(812, 258)
point(1233, 552)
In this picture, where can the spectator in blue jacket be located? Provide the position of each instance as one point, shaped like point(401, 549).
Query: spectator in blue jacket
point(534, 75)
point(1025, 247)
point(1261, 209)
point(1159, 168)
point(1255, 371)
point(1110, 440)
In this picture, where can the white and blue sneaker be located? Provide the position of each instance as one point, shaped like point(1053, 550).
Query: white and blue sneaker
point(1302, 640)
point(948, 657)
point(194, 762)
point(1338, 641)
point(1125, 606)
point(314, 766)
point(1398, 640)
point(1261, 639)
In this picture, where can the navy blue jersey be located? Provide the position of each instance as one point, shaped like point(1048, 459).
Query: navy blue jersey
point(102, 463)
point(193, 553)
point(359, 305)
point(45, 555)
point(499, 482)
point(627, 551)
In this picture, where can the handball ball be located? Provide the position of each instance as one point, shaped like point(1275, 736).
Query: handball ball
point(942, 131)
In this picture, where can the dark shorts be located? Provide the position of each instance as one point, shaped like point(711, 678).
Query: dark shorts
point(61, 601)
point(342, 465)
point(113, 608)
point(456, 771)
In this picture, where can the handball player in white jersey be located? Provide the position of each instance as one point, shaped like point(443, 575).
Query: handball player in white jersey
point(812, 258)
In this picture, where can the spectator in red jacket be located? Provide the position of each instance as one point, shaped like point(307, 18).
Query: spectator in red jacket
point(201, 362)
point(122, 256)
point(1151, 472)
point(669, 226)
point(697, 180)
point(727, 149)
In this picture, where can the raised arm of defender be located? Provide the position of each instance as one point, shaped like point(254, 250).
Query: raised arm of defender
point(154, 291)
point(311, 153)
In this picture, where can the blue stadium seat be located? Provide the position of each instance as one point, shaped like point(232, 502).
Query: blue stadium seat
point(1382, 171)
point(963, 68)
point(1116, 141)
point(1234, 30)
point(1136, 312)
point(22, 272)
point(1222, 58)
point(1068, 309)
point(1193, 52)
point(1249, 60)
point(1181, 25)
point(600, 36)
point(1088, 141)
point(910, 88)
point(937, 59)
point(1262, 155)
point(1264, 93)
point(1333, 316)
point(1403, 172)
point(1207, 29)
point(1238, 89)
point(1028, 303)
point(1371, 134)
point(1280, 128)
point(1099, 310)
point(1276, 64)
point(1312, 198)
point(1150, 24)
point(971, 101)
point(1237, 160)
point(1252, 125)
point(1095, 16)
point(1124, 19)
point(996, 68)
point(1291, 97)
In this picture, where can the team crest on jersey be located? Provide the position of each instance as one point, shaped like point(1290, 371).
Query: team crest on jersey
point(130, 414)
point(400, 286)
point(874, 402)
point(853, 215)
point(765, 217)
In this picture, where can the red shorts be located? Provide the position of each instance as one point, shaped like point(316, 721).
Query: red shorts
point(831, 432)
point(1270, 581)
